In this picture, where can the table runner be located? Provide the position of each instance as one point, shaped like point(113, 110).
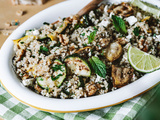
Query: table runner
point(12, 109)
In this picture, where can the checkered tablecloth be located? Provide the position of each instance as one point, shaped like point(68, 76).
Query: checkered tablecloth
point(12, 109)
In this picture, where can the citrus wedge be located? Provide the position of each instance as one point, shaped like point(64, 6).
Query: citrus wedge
point(142, 61)
point(146, 7)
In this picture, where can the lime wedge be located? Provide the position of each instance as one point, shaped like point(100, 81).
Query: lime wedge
point(146, 7)
point(142, 61)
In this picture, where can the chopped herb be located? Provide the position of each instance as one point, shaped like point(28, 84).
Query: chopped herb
point(97, 13)
point(98, 45)
point(84, 45)
point(21, 74)
point(40, 58)
point(33, 56)
point(103, 88)
point(29, 50)
point(102, 53)
point(83, 34)
point(77, 26)
point(21, 42)
point(91, 37)
point(55, 78)
point(56, 45)
point(95, 28)
point(57, 67)
point(98, 66)
point(141, 36)
point(47, 88)
point(136, 31)
point(61, 26)
point(66, 92)
point(154, 35)
point(87, 22)
point(46, 23)
point(22, 57)
point(43, 49)
point(63, 18)
point(119, 24)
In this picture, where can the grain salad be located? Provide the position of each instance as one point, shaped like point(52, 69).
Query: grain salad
point(78, 57)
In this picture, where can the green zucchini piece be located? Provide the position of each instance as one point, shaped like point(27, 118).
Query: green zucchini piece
point(57, 77)
point(44, 83)
point(59, 72)
point(78, 66)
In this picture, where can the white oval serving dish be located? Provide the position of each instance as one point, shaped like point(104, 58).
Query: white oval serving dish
point(13, 85)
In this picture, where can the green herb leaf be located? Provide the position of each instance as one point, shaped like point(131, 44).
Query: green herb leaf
point(61, 26)
point(91, 36)
point(43, 49)
point(83, 34)
point(55, 78)
point(119, 24)
point(21, 42)
point(84, 44)
point(154, 35)
point(57, 67)
point(136, 31)
point(76, 26)
point(95, 28)
point(98, 66)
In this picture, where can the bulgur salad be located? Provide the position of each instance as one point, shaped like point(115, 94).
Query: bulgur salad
point(78, 57)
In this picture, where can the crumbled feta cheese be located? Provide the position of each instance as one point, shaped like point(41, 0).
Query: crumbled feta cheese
point(129, 37)
point(36, 32)
point(157, 38)
point(131, 20)
point(27, 82)
point(104, 23)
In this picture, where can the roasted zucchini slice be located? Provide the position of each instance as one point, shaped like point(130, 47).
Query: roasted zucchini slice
point(78, 66)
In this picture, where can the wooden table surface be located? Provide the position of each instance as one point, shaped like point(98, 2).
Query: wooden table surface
point(8, 13)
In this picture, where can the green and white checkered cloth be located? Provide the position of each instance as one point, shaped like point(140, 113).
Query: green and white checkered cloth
point(12, 109)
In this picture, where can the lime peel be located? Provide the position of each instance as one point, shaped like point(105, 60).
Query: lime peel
point(146, 7)
point(141, 61)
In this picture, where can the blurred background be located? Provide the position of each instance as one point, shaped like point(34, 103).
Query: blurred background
point(14, 12)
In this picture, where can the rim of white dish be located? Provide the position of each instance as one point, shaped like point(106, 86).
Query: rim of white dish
point(13, 85)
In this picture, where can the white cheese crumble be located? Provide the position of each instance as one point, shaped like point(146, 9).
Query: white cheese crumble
point(27, 82)
point(131, 20)
point(104, 23)
point(157, 38)
point(36, 32)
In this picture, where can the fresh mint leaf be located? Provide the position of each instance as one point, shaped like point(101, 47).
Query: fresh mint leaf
point(91, 37)
point(98, 66)
point(119, 24)
point(136, 31)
